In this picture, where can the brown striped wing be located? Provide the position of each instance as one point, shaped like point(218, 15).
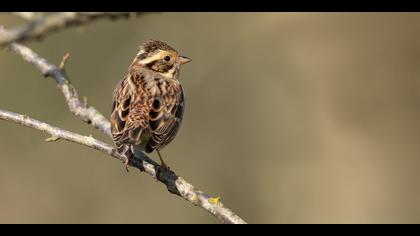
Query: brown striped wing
point(165, 119)
point(129, 118)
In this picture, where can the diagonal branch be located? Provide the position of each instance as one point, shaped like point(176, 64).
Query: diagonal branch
point(178, 185)
point(39, 27)
point(80, 109)
point(57, 133)
point(175, 184)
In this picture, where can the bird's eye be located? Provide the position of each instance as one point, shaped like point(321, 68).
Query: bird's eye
point(167, 58)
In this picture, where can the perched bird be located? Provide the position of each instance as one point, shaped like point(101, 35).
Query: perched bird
point(149, 101)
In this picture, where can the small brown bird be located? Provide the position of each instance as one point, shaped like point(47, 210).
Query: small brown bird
point(149, 101)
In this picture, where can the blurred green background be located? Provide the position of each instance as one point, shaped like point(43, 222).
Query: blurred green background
point(290, 118)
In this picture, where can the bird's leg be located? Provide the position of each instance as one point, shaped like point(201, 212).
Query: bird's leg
point(126, 164)
point(129, 156)
point(162, 168)
point(163, 165)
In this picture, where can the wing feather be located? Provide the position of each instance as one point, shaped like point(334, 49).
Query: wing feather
point(129, 115)
point(169, 122)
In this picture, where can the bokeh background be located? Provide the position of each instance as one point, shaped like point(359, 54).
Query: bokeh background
point(290, 118)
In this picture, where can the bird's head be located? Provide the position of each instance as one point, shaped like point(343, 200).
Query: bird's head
point(160, 57)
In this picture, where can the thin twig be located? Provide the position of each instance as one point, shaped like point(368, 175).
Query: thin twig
point(175, 184)
point(64, 61)
point(39, 27)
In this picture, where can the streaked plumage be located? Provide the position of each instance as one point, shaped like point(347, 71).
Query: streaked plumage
point(149, 102)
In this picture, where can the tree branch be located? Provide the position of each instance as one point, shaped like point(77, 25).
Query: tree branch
point(175, 184)
point(39, 27)
point(57, 133)
point(87, 113)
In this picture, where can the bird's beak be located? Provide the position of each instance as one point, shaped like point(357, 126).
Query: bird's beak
point(184, 60)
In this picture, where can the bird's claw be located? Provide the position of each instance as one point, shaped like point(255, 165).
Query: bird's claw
point(161, 170)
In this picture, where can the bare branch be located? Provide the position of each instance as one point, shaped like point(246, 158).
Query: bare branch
point(39, 27)
point(175, 184)
point(57, 133)
point(87, 113)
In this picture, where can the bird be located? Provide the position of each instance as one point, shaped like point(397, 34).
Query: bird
point(148, 103)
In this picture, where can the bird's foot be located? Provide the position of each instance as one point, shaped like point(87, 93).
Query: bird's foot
point(161, 170)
